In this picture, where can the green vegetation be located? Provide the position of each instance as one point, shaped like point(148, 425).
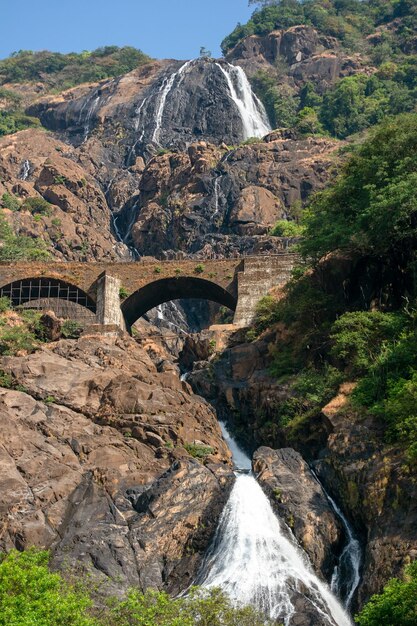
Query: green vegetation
point(20, 331)
point(397, 604)
point(62, 71)
point(30, 594)
point(12, 117)
point(71, 329)
point(19, 247)
point(37, 206)
point(355, 102)
point(325, 334)
point(123, 293)
point(285, 228)
point(350, 21)
point(198, 451)
point(199, 269)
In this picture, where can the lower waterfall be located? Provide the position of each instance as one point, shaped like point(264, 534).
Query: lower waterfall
point(254, 562)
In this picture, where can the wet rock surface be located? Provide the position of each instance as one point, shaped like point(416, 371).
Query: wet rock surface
point(300, 501)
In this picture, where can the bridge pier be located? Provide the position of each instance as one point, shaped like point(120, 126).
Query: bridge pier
point(259, 275)
point(108, 311)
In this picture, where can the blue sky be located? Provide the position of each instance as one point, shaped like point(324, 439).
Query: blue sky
point(161, 28)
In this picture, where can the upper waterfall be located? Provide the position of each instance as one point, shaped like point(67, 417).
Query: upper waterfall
point(195, 99)
point(254, 118)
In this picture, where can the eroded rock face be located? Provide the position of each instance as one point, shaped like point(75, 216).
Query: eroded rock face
point(94, 465)
point(309, 56)
point(376, 488)
point(77, 225)
point(299, 499)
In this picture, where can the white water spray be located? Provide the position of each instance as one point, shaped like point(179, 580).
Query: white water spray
point(216, 199)
point(91, 110)
point(253, 561)
point(166, 87)
point(24, 170)
point(252, 111)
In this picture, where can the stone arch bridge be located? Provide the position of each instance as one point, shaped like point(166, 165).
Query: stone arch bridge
point(91, 292)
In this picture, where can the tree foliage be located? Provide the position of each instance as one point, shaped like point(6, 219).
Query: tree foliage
point(32, 595)
point(397, 604)
point(62, 71)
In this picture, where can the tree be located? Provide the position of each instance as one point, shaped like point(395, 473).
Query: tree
point(31, 594)
point(397, 604)
point(204, 53)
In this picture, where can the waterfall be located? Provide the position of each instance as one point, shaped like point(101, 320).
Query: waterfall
point(90, 112)
point(24, 170)
point(216, 199)
point(346, 575)
point(255, 563)
point(166, 87)
point(252, 112)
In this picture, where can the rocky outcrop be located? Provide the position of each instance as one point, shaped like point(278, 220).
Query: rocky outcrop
point(305, 54)
point(211, 201)
point(299, 499)
point(77, 223)
point(95, 464)
point(376, 488)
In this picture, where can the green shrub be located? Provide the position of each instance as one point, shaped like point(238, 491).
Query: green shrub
point(397, 604)
point(285, 228)
point(123, 293)
point(37, 205)
point(359, 336)
point(71, 329)
point(31, 594)
point(198, 451)
point(16, 339)
point(10, 202)
point(199, 269)
point(158, 269)
point(6, 380)
point(5, 304)
point(19, 247)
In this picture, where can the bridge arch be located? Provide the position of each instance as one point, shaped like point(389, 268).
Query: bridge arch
point(175, 288)
point(64, 298)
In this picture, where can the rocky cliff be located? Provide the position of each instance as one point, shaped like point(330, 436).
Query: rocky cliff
point(95, 463)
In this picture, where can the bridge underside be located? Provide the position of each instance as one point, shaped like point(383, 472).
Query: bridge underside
point(178, 288)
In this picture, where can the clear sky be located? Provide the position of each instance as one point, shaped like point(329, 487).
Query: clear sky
point(161, 28)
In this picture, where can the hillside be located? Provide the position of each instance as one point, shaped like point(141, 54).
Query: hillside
point(303, 137)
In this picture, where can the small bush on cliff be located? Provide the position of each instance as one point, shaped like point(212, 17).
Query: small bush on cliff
point(198, 451)
point(397, 604)
point(19, 247)
point(71, 329)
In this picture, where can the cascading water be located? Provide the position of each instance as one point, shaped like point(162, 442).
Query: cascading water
point(92, 103)
point(24, 170)
point(346, 575)
point(253, 561)
point(166, 87)
point(254, 118)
